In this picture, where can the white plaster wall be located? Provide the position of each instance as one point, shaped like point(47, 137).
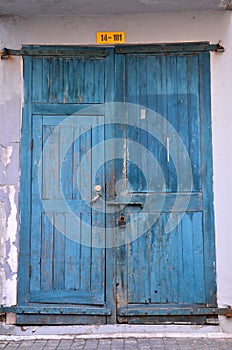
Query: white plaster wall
point(142, 28)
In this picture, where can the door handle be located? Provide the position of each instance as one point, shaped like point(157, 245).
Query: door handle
point(98, 195)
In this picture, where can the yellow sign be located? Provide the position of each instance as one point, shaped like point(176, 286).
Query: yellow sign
point(110, 37)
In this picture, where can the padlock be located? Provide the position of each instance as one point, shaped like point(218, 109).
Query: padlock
point(121, 221)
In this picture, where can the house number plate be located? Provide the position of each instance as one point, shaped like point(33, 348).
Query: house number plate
point(110, 37)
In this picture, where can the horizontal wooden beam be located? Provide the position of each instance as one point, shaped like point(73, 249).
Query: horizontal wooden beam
point(175, 311)
point(55, 310)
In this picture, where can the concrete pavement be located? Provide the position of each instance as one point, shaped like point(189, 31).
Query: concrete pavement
point(132, 343)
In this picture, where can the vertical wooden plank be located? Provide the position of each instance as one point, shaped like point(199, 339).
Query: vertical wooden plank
point(188, 268)
point(99, 78)
point(59, 252)
point(86, 251)
point(173, 267)
point(198, 257)
point(182, 111)
point(66, 83)
point(164, 262)
point(56, 80)
point(47, 229)
point(181, 290)
point(51, 167)
point(141, 123)
point(172, 116)
point(98, 215)
point(86, 191)
point(36, 206)
point(72, 255)
point(25, 193)
point(66, 179)
point(194, 120)
point(132, 89)
point(207, 176)
point(79, 82)
point(155, 177)
point(46, 79)
point(37, 79)
point(76, 161)
point(155, 262)
point(138, 265)
point(162, 110)
point(71, 80)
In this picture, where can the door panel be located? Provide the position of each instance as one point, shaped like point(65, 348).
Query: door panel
point(62, 269)
point(64, 252)
point(164, 269)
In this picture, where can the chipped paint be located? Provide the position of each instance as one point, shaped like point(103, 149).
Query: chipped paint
point(8, 245)
point(5, 154)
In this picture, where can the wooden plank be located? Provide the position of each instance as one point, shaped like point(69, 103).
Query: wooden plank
point(172, 117)
point(155, 261)
point(67, 296)
point(99, 79)
point(89, 82)
point(98, 212)
point(47, 237)
point(162, 110)
point(86, 193)
point(171, 310)
point(72, 254)
point(65, 310)
point(51, 166)
point(78, 84)
point(207, 176)
point(37, 80)
point(25, 191)
point(46, 80)
point(35, 237)
point(187, 281)
point(66, 164)
point(60, 319)
point(198, 257)
point(194, 120)
point(132, 90)
point(182, 112)
point(67, 109)
point(59, 252)
point(70, 64)
point(138, 265)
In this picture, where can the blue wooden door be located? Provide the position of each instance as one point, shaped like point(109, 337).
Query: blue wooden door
point(167, 269)
point(139, 247)
point(62, 266)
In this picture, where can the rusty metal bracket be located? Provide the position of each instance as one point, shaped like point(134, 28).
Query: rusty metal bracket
point(169, 48)
point(228, 312)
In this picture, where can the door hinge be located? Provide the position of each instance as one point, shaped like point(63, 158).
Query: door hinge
point(31, 144)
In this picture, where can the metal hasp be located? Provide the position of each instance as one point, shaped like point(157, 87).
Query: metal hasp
point(135, 204)
point(155, 49)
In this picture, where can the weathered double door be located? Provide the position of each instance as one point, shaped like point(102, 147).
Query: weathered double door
point(116, 184)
